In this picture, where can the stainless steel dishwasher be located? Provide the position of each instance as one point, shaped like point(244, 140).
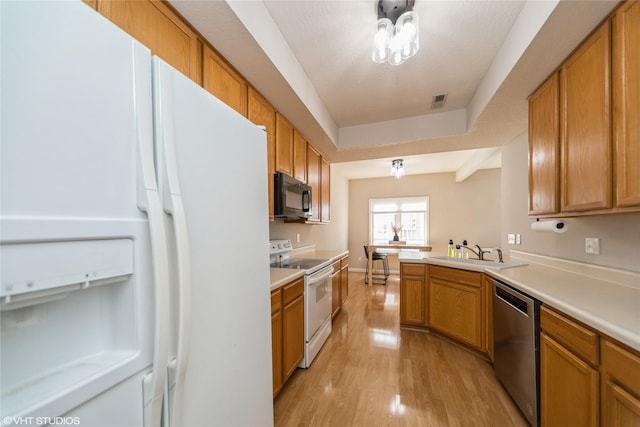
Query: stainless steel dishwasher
point(516, 336)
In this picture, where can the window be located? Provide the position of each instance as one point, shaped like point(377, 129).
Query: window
point(410, 214)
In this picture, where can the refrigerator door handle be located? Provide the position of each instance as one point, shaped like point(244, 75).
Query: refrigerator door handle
point(172, 204)
point(154, 381)
point(179, 368)
point(149, 202)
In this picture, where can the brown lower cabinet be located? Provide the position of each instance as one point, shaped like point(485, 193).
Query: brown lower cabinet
point(344, 279)
point(335, 289)
point(450, 301)
point(287, 331)
point(339, 284)
point(586, 379)
point(413, 293)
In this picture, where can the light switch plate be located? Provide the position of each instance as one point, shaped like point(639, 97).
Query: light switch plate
point(592, 245)
point(518, 241)
point(511, 239)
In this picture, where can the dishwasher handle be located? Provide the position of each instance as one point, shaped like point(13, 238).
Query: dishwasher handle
point(515, 299)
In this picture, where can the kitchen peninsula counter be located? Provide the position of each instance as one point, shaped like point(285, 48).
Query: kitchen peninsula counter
point(605, 299)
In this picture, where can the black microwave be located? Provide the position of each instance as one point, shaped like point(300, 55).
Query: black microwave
point(292, 198)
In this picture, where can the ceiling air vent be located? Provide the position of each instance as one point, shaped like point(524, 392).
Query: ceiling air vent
point(439, 100)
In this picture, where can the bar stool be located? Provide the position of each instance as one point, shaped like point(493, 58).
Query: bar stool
point(376, 256)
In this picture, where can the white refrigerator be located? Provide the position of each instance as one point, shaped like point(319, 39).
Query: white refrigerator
point(133, 227)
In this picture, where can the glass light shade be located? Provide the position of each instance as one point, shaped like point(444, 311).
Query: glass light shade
point(397, 168)
point(406, 32)
point(381, 40)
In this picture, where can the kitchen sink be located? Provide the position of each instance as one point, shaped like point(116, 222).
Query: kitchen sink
point(445, 260)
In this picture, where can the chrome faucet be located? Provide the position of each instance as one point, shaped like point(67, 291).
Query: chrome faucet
point(499, 255)
point(480, 253)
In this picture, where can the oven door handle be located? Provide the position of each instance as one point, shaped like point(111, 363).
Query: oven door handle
point(320, 276)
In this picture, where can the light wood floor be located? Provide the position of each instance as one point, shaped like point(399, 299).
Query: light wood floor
point(371, 373)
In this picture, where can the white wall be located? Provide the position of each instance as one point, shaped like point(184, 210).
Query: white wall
point(619, 234)
point(467, 210)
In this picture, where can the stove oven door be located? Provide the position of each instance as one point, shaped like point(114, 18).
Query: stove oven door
point(317, 300)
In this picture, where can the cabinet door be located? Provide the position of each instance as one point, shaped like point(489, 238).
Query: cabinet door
point(293, 335)
point(568, 387)
point(586, 130)
point(487, 288)
point(325, 191)
point(621, 408)
point(313, 180)
point(157, 26)
point(412, 294)
point(260, 112)
point(626, 103)
point(620, 385)
point(276, 340)
point(336, 298)
point(544, 149)
point(223, 82)
point(284, 145)
point(276, 351)
point(455, 309)
point(344, 283)
point(299, 157)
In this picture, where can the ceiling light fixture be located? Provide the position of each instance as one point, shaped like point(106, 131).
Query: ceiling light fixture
point(397, 168)
point(396, 37)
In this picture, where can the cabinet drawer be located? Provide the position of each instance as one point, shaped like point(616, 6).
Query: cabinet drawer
point(622, 365)
point(344, 262)
point(292, 290)
point(579, 339)
point(471, 278)
point(276, 300)
point(336, 266)
point(413, 269)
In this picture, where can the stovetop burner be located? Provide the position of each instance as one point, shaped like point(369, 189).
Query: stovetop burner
point(279, 258)
point(298, 263)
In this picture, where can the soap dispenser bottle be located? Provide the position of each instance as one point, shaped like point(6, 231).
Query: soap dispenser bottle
point(451, 252)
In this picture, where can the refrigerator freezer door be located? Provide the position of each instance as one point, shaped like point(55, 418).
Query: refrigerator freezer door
point(219, 160)
point(72, 116)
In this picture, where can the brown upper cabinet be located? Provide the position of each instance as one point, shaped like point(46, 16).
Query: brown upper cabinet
point(593, 100)
point(626, 103)
point(325, 190)
point(313, 180)
point(284, 145)
point(261, 113)
point(586, 125)
point(158, 27)
point(299, 157)
point(223, 82)
point(544, 148)
point(319, 179)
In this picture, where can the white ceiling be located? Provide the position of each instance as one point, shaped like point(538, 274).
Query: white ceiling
point(312, 60)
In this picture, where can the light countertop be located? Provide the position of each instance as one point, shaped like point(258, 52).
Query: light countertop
point(282, 276)
point(606, 299)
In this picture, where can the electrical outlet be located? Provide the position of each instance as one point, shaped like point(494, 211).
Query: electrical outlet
point(592, 245)
point(298, 238)
point(518, 241)
point(511, 239)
